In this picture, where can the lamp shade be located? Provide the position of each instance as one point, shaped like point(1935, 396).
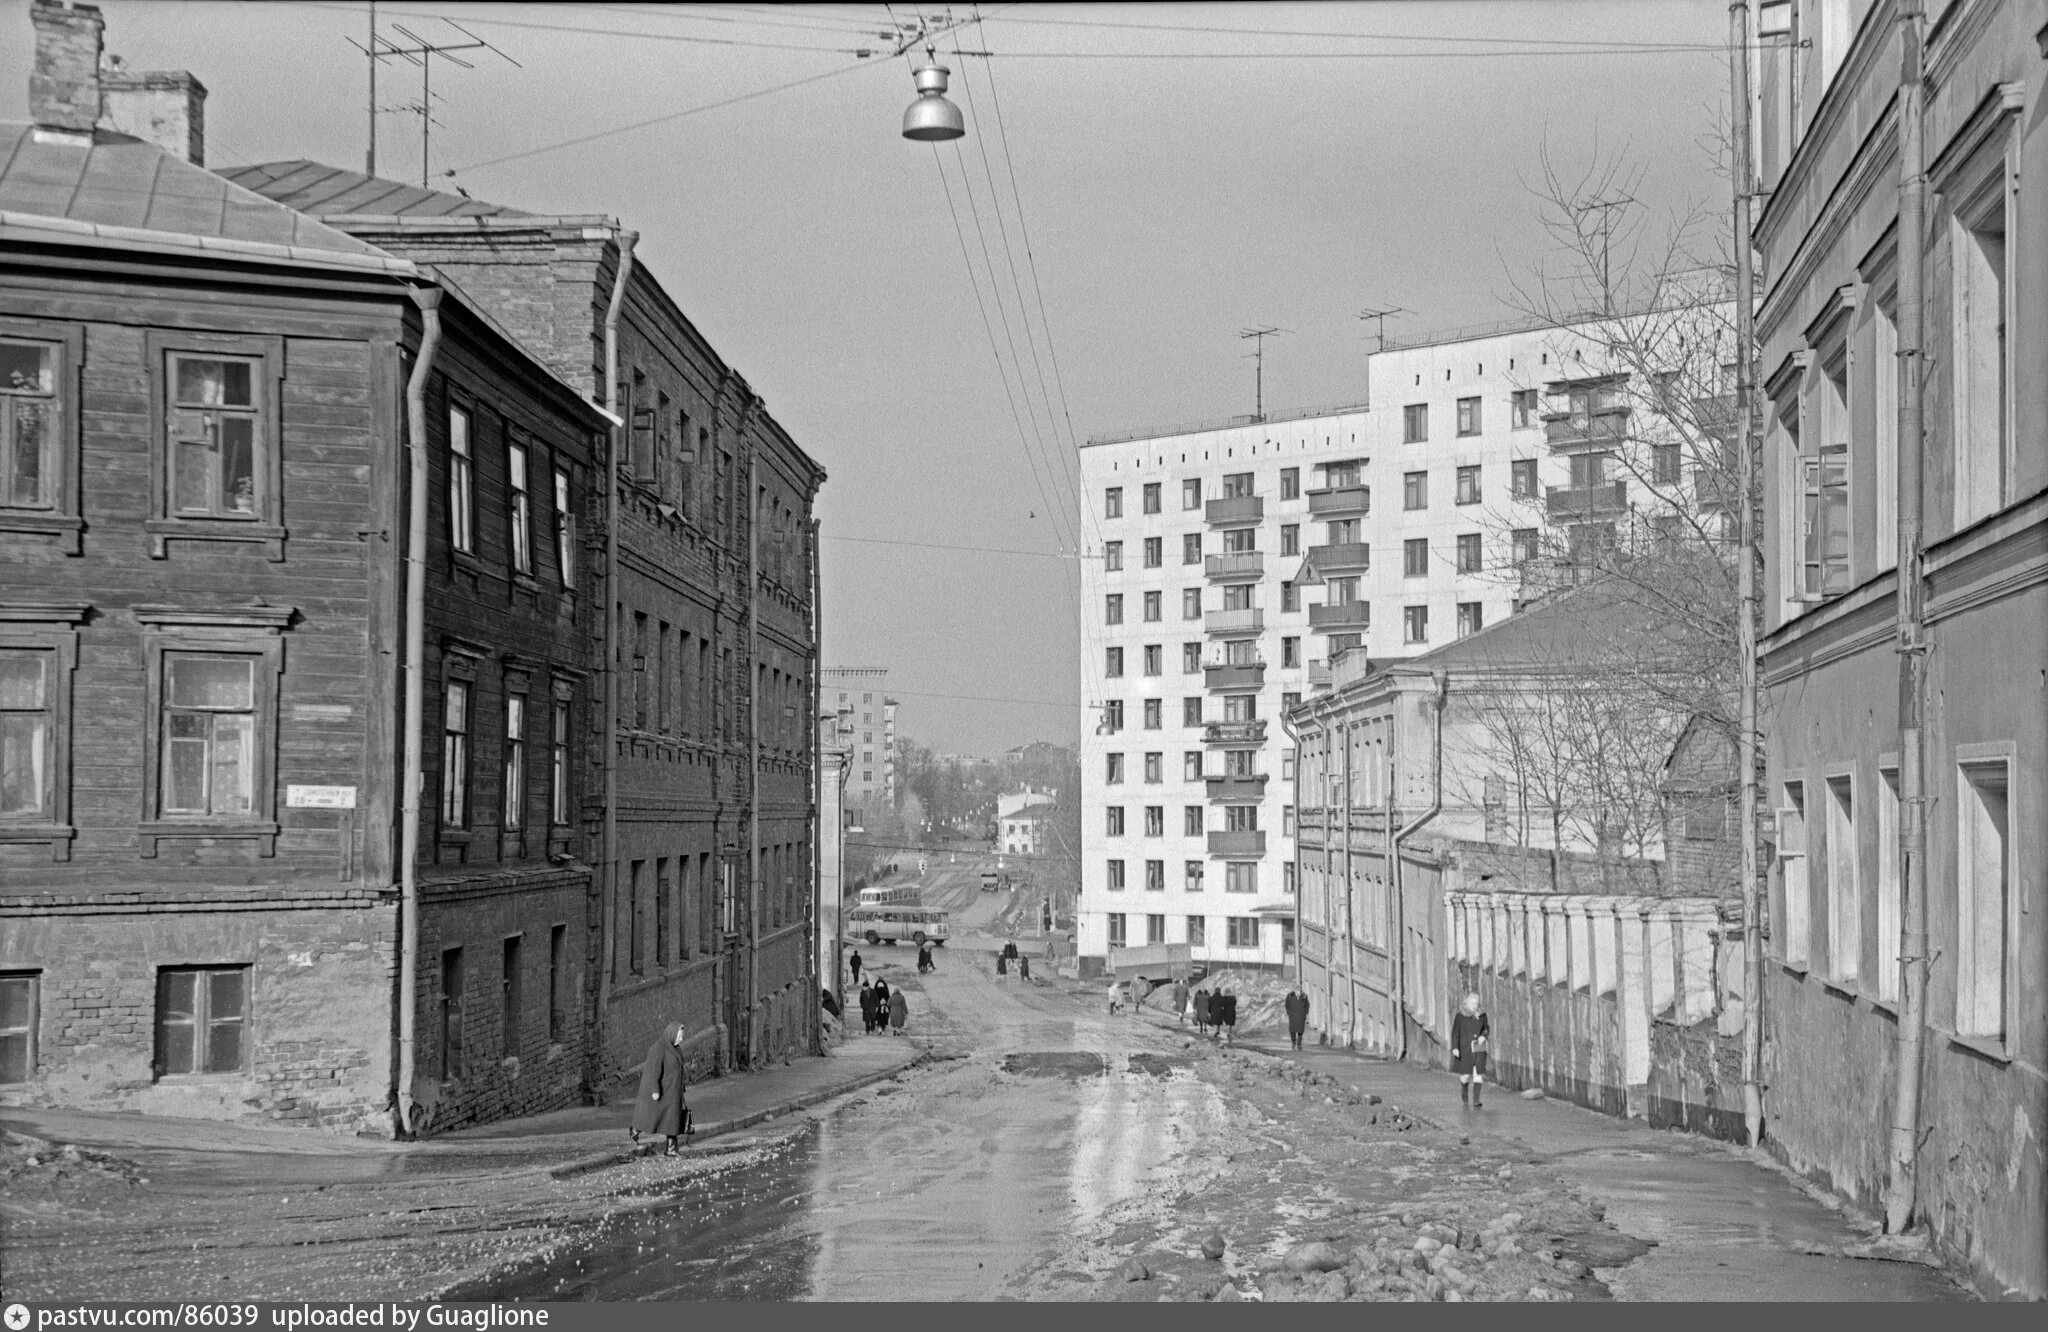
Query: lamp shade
point(931, 118)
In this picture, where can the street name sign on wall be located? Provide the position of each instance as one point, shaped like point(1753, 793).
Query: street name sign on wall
point(320, 797)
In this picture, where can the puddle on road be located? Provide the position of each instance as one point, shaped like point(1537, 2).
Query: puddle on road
point(1056, 1064)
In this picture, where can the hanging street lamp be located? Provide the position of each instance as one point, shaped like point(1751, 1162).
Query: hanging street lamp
point(931, 118)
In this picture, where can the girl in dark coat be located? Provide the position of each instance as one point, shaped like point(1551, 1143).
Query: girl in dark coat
point(1229, 1016)
point(1469, 1032)
point(899, 1011)
point(1297, 1016)
point(881, 1005)
point(1201, 1007)
point(660, 1109)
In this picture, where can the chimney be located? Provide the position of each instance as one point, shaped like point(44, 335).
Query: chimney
point(166, 107)
point(64, 87)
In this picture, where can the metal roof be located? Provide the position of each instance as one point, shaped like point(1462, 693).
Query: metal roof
point(107, 183)
point(314, 187)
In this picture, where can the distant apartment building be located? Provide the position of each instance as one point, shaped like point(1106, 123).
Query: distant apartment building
point(859, 694)
point(1234, 561)
point(1027, 829)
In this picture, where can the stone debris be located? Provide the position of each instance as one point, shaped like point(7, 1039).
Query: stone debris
point(1315, 1256)
point(1134, 1270)
point(1213, 1246)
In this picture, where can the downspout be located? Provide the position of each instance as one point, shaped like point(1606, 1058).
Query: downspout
point(428, 299)
point(753, 511)
point(814, 942)
point(620, 429)
point(1912, 648)
point(1350, 902)
point(1300, 812)
point(1441, 679)
point(1329, 900)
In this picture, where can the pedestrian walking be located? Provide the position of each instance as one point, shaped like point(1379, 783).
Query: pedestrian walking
point(854, 962)
point(1469, 1038)
point(1229, 1016)
point(1023, 968)
point(1002, 964)
point(1200, 1003)
point(1180, 1002)
point(924, 959)
point(899, 1011)
point(660, 1108)
point(1138, 988)
point(1116, 994)
point(867, 1008)
point(1297, 1016)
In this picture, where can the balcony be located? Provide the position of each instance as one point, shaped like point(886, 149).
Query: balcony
point(1238, 790)
point(1570, 430)
point(1247, 621)
point(1583, 502)
point(1345, 615)
point(1237, 566)
point(1342, 558)
point(1237, 845)
point(1235, 509)
point(1340, 502)
point(1236, 676)
point(1234, 733)
point(1319, 674)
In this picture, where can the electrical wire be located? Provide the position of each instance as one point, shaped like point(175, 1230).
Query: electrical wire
point(936, 545)
point(1331, 35)
point(637, 35)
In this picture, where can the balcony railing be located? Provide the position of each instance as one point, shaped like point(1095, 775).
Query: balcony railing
point(1241, 675)
point(1235, 733)
point(1603, 427)
point(1609, 497)
point(1230, 790)
point(1340, 502)
point(1235, 509)
point(1240, 844)
point(1248, 621)
point(1319, 672)
point(1343, 557)
point(1236, 565)
point(1341, 615)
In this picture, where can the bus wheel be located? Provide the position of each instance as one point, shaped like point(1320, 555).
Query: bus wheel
point(873, 938)
point(919, 937)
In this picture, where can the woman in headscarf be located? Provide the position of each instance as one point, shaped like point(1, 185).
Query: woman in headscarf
point(660, 1109)
point(1469, 1032)
point(867, 1008)
point(899, 1011)
point(1200, 1003)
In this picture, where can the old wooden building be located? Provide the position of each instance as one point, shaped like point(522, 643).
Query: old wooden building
point(212, 411)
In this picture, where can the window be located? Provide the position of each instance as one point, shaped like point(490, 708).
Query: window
point(1191, 493)
point(1191, 710)
point(1113, 768)
point(1522, 408)
point(1198, 931)
point(1290, 539)
point(1290, 597)
point(1290, 652)
point(1522, 542)
point(1155, 820)
point(1151, 497)
point(1468, 416)
point(1241, 540)
point(1154, 552)
point(1112, 556)
point(1468, 553)
point(1824, 522)
point(461, 484)
point(1287, 879)
point(1468, 485)
point(1191, 604)
point(455, 754)
point(1113, 715)
point(1155, 929)
point(1415, 490)
point(1984, 881)
point(1664, 464)
point(1415, 423)
point(510, 1003)
point(1241, 876)
point(1116, 925)
point(1983, 346)
point(1191, 816)
point(1287, 820)
point(1113, 661)
point(449, 1017)
point(1244, 931)
point(1845, 901)
point(20, 995)
point(1191, 876)
point(1113, 608)
point(1888, 885)
point(1116, 876)
point(1792, 875)
point(1113, 502)
point(208, 740)
point(514, 811)
point(1415, 557)
point(1415, 624)
point(1155, 664)
point(1191, 548)
point(1522, 478)
point(1152, 710)
point(1470, 618)
point(1152, 607)
point(201, 1020)
point(1290, 483)
point(28, 717)
point(1191, 661)
point(565, 531)
point(215, 442)
point(519, 509)
point(1113, 821)
point(1588, 470)
point(1238, 485)
point(560, 790)
point(38, 457)
point(558, 983)
point(1155, 763)
point(1155, 876)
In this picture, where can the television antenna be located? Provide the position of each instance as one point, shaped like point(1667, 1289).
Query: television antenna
point(1258, 336)
point(1606, 208)
point(1379, 318)
point(422, 53)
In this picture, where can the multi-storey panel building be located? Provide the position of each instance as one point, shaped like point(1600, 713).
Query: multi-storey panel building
point(859, 694)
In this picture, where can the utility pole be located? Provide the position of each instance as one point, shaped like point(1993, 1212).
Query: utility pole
point(370, 157)
point(1258, 337)
point(1746, 578)
point(1606, 207)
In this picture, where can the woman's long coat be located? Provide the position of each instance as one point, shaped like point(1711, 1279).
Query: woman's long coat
point(899, 1009)
point(663, 1073)
point(1465, 1029)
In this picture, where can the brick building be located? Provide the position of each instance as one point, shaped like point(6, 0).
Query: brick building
point(706, 896)
point(202, 641)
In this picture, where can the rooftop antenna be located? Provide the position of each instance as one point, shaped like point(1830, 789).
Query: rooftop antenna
point(421, 52)
point(1258, 336)
point(1379, 318)
point(1606, 207)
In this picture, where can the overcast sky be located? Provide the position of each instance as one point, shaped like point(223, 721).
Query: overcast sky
point(1177, 186)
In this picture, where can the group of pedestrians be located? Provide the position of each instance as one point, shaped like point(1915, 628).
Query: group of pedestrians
point(1008, 958)
point(882, 1009)
point(1215, 1013)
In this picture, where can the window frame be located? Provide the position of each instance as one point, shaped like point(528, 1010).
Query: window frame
point(1415, 624)
point(1972, 760)
point(31, 980)
point(565, 528)
point(1414, 491)
point(512, 765)
point(48, 627)
point(519, 505)
point(202, 1023)
point(1415, 423)
point(266, 525)
point(1468, 417)
point(61, 518)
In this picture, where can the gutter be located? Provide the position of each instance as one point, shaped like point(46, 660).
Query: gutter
point(1441, 678)
point(428, 299)
point(608, 930)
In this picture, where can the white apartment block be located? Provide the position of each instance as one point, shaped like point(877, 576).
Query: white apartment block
point(859, 695)
point(1232, 562)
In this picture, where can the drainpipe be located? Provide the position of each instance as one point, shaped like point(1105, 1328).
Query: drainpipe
point(1301, 808)
point(753, 510)
point(1440, 695)
point(1350, 902)
point(428, 299)
point(1300, 812)
point(1905, 1131)
point(815, 942)
point(620, 436)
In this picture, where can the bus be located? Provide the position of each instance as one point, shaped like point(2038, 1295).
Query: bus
point(895, 923)
point(905, 893)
